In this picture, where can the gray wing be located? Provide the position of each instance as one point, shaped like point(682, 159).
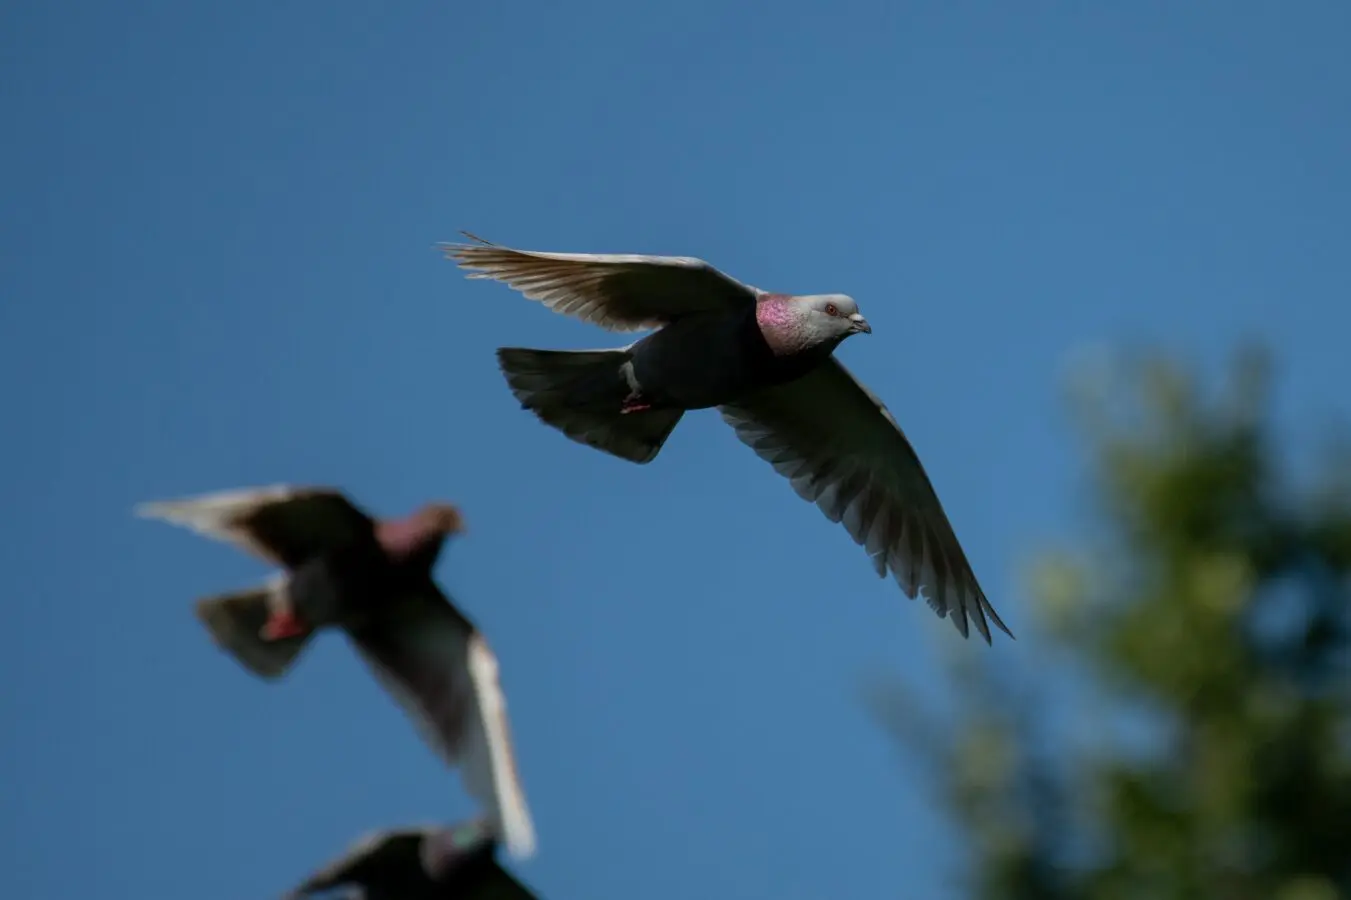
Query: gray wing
point(380, 857)
point(282, 524)
point(442, 672)
point(842, 449)
point(616, 292)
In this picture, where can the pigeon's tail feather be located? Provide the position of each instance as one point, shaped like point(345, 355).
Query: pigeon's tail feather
point(235, 622)
point(581, 392)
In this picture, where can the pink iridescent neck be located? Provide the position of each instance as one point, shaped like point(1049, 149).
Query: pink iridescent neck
point(405, 538)
point(777, 316)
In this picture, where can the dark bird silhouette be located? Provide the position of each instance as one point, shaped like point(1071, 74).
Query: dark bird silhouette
point(372, 579)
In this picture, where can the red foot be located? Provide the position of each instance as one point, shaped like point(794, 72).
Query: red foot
point(633, 407)
point(282, 625)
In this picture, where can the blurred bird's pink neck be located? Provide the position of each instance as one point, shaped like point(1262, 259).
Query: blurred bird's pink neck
point(403, 539)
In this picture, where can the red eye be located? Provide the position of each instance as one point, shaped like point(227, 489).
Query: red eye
point(831, 310)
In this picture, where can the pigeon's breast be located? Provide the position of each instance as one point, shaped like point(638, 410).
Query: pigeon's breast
point(703, 361)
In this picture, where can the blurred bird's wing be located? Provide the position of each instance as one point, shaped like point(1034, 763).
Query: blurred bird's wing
point(282, 524)
point(443, 674)
point(616, 292)
point(842, 449)
point(378, 857)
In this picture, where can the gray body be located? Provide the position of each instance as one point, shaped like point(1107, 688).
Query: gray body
point(702, 360)
point(711, 359)
point(346, 588)
point(319, 594)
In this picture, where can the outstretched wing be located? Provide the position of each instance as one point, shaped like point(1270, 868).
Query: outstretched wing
point(282, 524)
point(616, 292)
point(441, 671)
point(841, 448)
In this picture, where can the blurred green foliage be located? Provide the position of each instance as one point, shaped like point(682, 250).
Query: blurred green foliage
point(1185, 731)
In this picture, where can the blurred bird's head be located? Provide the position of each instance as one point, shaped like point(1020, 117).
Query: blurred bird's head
point(440, 519)
point(421, 534)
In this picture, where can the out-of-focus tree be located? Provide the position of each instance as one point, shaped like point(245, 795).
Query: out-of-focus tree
point(1185, 733)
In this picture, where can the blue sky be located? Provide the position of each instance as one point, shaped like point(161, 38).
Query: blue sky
point(218, 271)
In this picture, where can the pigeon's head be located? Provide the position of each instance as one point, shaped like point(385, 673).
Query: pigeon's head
point(834, 316)
point(440, 519)
point(812, 324)
point(422, 533)
point(827, 319)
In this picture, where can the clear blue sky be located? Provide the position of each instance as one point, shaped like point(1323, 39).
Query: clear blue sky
point(217, 270)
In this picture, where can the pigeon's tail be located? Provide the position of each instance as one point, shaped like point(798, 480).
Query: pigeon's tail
point(581, 393)
point(236, 621)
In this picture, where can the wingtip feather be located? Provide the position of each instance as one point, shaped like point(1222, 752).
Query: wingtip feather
point(454, 251)
point(150, 509)
point(477, 239)
point(513, 813)
point(988, 609)
point(520, 845)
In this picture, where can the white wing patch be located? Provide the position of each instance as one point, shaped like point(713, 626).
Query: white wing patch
point(444, 677)
point(494, 737)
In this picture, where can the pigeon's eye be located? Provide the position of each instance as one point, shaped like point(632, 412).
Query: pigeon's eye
point(831, 310)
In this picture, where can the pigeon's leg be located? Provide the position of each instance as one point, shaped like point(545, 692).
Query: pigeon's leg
point(634, 401)
point(633, 405)
point(282, 624)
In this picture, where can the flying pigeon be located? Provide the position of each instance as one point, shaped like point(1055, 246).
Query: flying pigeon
point(428, 863)
point(765, 361)
point(371, 578)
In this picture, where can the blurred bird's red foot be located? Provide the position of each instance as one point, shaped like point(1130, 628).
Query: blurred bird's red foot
point(282, 625)
point(633, 406)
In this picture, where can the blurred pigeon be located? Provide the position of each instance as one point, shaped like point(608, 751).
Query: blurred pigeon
point(428, 863)
point(371, 578)
point(765, 361)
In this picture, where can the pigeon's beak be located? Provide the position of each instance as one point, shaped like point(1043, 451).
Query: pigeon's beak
point(860, 324)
